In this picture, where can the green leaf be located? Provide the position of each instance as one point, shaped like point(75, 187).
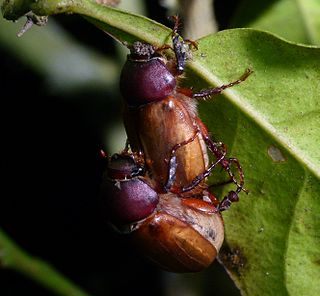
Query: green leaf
point(295, 20)
point(271, 123)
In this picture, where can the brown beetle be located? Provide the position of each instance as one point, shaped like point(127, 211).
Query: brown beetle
point(158, 115)
point(178, 234)
point(182, 235)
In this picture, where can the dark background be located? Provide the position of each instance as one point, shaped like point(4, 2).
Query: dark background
point(51, 171)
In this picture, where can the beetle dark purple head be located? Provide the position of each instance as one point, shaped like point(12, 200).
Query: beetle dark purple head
point(122, 166)
point(128, 196)
point(145, 78)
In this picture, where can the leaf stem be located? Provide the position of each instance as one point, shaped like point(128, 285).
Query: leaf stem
point(13, 257)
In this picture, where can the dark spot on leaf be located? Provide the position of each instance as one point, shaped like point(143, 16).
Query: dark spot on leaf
point(233, 259)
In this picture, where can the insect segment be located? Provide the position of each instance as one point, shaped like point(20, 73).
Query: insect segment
point(158, 115)
point(178, 234)
point(128, 194)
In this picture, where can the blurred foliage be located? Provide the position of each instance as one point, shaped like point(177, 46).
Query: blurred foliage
point(66, 64)
point(297, 21)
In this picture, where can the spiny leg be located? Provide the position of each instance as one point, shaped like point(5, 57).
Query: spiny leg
point(226, 163)
point(219, 149)
point(181, 47)
point(173, 160)
point(239, 184)
point(233, 196)
point(207, 93)
point(226, 202)
point(198, 179)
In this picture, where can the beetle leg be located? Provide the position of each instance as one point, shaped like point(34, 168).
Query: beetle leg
point(173, 160)
point(228, 200)
point(198, 179)
point(241, 174)
point(218, 149)
point(172, 172)
point(207, 93)
point(181, 47)
point(232, 196)
point(200, 205)
point(215, 148)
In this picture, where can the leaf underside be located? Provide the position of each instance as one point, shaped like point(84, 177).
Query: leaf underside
point(270, 122)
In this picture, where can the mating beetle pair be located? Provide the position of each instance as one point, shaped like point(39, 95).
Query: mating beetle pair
point(157, 191)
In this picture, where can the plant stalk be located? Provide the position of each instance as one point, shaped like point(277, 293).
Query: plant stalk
point(13, 257)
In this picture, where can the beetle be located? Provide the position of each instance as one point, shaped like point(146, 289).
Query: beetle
point(178, 234)
point(158, 114)
point(130, 196)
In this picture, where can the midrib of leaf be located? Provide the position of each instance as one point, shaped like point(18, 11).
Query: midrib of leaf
point(311, 34)
point(235, 97)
